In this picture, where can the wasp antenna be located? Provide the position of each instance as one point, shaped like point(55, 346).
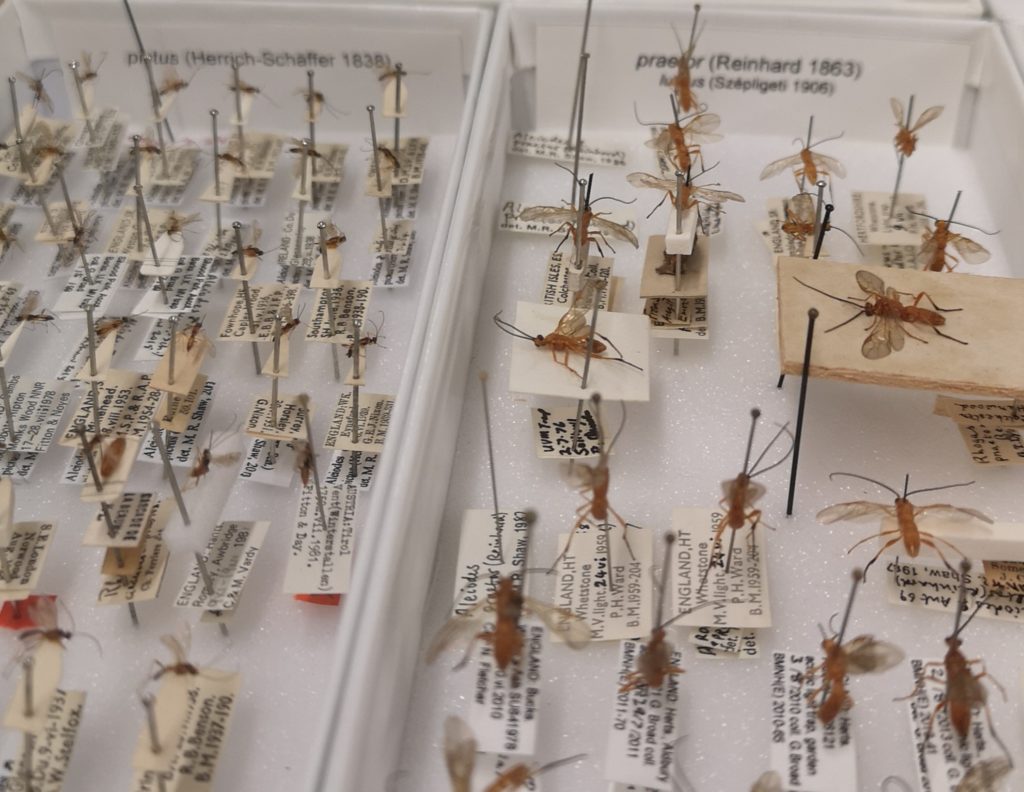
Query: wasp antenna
point(559, 763)
point(973, 227)
point(936, 489)
point(784, 429)
point(827, 140)
point(831, 476)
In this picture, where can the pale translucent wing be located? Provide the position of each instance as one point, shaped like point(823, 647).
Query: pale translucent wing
point(226, 459)
point(865, 655)
point(459, 752)
point(572, 322)
point(457, 629)
point(643, 180)
point(870, 283)
point(565, 624)
point(755, 491)
point(178, 652)
point(802, 208)
point(927, 117)
point(831, 164)
point(985, 776)
point(43, 611)
point(897, 110)
point(727, 488)
point(929, 247)
point(877, 345)
point(767, 782)
point(702, 128)
point(716, 196)
point(853, 510)
point(780, 165)
point(969, 250)
point(949, 512)
point(257, 232)
point(893, 327)
point(560, 214)
point(616, 230)
point(662, 141)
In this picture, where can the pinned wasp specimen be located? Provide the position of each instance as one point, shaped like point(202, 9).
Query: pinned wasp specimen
point(860, 655)
point(175, 223)
point(506, 606)
point(304, 460)
point(234, 160)
point(935, 248)
point(367, 340)
point(683, 196)
point(572, 334)
point(207, 459)
point(303, 147)
point(906, 515)
point(111, 454)
point(800, 219)
point(885, 307)
point(87, 71)
point(244, 88)
point(680, 142)
point(197, 342)
point(681, 88)
point(111, 324)
point(807, 165)
point(906, 134)
point(29, 311)
point(35, 85)
point(741, 494)
point(654, 664)
point(179, 646)
point(47, 146)
point(335, 237)
point(172, 83)
point(963, 693)
point(460, 759)
point(316, 102)
point(591, 228)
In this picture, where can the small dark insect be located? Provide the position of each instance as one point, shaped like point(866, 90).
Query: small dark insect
point(198, 343)
point(317, 100)
point(35, 85)
point(28, 312)
point(207, 459)
point(87, 71)
point(172, 83)
point(175, 223)
point(106, 326)
point(366, 340)
point(233, 160)
point(885, 307)
point(390, 156)
point(43, 611)
point(147, 146)
point(298, 148)
point(179, 646)
point(860, 655)
point(243, 87)
point(303, 460)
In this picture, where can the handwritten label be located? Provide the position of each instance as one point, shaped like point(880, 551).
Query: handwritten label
point(645, 726)
point(560, 273)
point(936, 588)
point(391, 271)
point(230, 555)
point(104, 273)
point(291, 419)
point(185, 289)
point(807, 754)
point(181, 445)
point(553, 147)
point(399, 239)
point(554, 428)
point(740, 596)
point(270, 462)
point(489, 548)
point(682, 319)
point(605, 582)
point(726, 642)
point(126, 407)
point(351, 469)
point(26, 552)
point(320, 558)
point(503, 712)
point(873, 226)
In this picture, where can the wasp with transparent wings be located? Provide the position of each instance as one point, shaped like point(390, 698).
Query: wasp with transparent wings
point(807, 164)
point(593, 227)
point(680, 142)
point(689, 196)
point(505, 609)
point(936, 243)
point(906, 134)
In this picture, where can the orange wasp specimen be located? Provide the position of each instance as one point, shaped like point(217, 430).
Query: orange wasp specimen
point(335, 237)
point(207, 459)
point(906, 137)
point(799, 222)
point(688, 197)
point(172, 83)
point(681, 142)
point(175, 223)
point(906, 515)
point(963, 690)
point(681, 81)
point(807, 164)
point(179, 645)
point(28, 310)
point(460, 758)
point(570, 336)
point(303, 460)
point(859, 655)
point(111, 455)
point(43, 612)
point(742, 493)
point(935, 250)
point(105, 327)
point(86, 69)
point(35, 85)
point(197, 339)
point(593, 227)
point(888, 313)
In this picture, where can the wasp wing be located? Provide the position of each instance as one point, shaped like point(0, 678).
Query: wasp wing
point(616, 230)
point(854, 510)
point(870, 283)
point(179, 644)
point(969, 250)
point(878, 344)
point(643, 180)
point(897, 111)
point(459, 628)
point(43, 612)
point(772, 168)
point(830, 164)
point(459, 752)
point(927, 117)
point(716, 196)
point(949, 512)
point(865, 655)
point(767, 782)
point(800, 208)
point(532, 214)
point(702, 129)
point(565, 624)
point(985, 776)
point(662, 141)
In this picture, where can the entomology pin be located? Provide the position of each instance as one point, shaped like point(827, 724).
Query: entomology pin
point(316, 101)
point(936, 243)
point(88, 71)
point(686, 198)
point(963, 693)
point(906, 515)
point(769, 781)
point(593, 484)
point(460, 759)
point(741, 494)
point(571, 335)
point(207, 459)
point(172, 83)
point(592, 228)
point(859, 655)
point(367, 339)
point(654, 664)
point(242, 87)
point(505, 608)
point(800, 219)
point(680, 142)
point(885, 307)
point(681, 87)
point(986, 775)
point(35, 85)
point(906, 133)
point(807, 164)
